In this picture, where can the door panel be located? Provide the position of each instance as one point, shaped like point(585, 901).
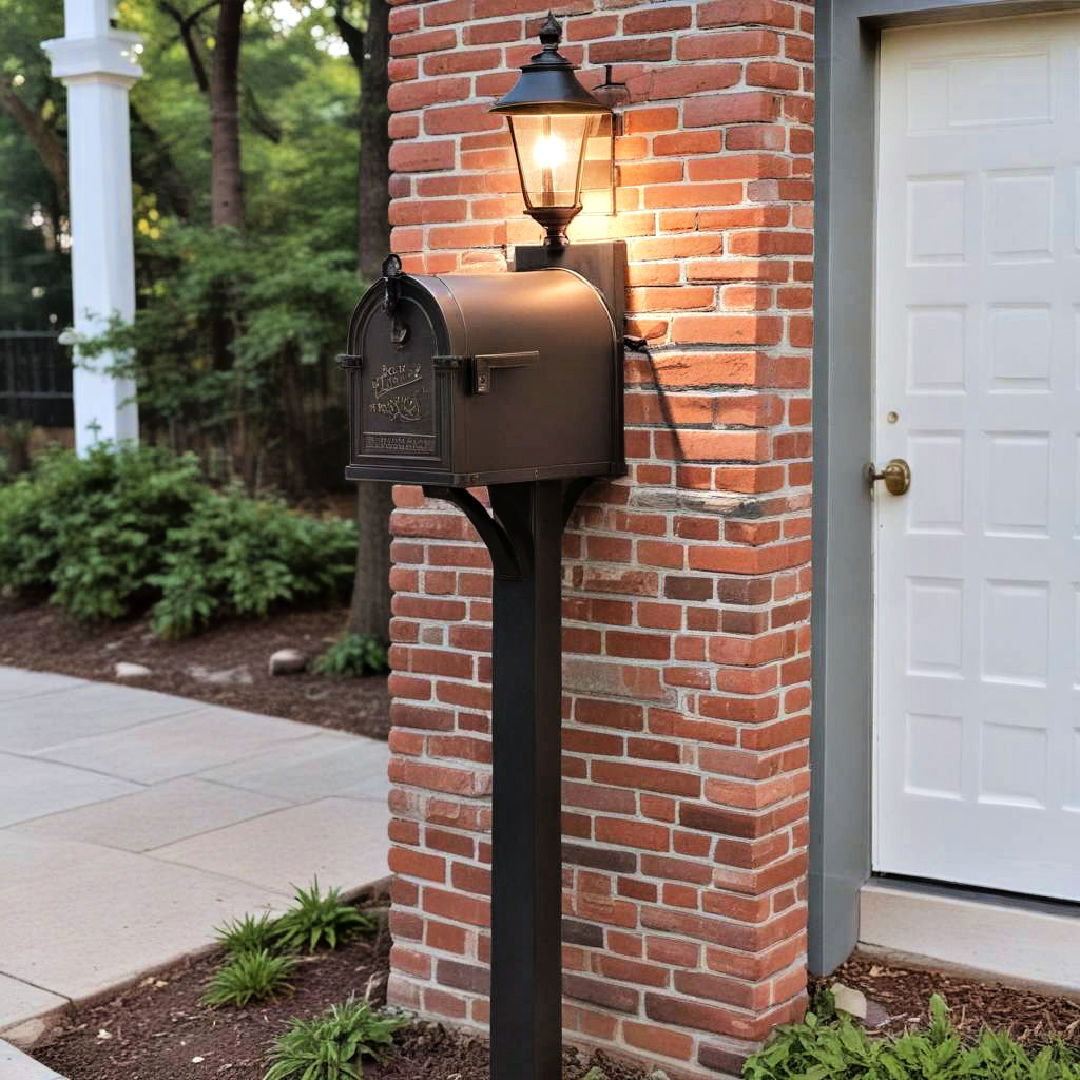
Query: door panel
point(977, 386)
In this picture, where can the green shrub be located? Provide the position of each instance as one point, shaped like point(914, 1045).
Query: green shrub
point(331, 1046)
point(249, 976)
point(125, 529)
point(249, 934)
point(352, 655)
point(245, 556)
point(842, 1050)
point(314, 919)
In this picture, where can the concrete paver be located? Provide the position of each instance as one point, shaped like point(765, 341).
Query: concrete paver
point(30, 788)
point(154, 816)
point(75, 712)
point(115, 858)
point(79, 918)
point(276, 850)
point(20, 1001)
point(15, 1065)
point(164, 749)
point(25, 684)
point(327, 764)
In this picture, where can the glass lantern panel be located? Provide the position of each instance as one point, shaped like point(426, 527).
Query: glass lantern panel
point(550, 151)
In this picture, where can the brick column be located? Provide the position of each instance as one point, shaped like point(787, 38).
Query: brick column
point(686, 585)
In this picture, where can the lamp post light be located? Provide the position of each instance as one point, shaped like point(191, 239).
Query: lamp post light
point(552, 117)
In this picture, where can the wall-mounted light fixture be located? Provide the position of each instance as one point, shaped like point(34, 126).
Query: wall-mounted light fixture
point(552, 117)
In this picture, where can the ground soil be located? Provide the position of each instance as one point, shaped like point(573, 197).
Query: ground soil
point(904, 992)
point(41, 637)
point(157, 1030)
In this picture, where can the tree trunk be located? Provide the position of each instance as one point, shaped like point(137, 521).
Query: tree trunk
point(41, 135)
point(226, 177)
point(369, 611)
point(374, 183)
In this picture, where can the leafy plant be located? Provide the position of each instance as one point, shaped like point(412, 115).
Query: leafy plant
point(331, 1045)
point(127, 528)
point(352, 655)
point(841, 1050)
point(249, 934)
point(250, 976)
point(314, 919)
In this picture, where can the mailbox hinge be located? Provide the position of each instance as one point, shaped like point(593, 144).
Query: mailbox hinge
point(449, 363)
point(348, 361)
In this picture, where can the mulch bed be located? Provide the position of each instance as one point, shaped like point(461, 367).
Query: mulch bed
point(157, 1030)
point(41, 637)
point(1031, 1018)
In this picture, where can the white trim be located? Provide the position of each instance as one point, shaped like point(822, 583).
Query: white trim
point(1027, 943)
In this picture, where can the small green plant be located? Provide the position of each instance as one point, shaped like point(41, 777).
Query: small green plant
point(315, 919)
point(841, 1050)
point(352, 655)
point(249, 934)
point(250, 976)
point(595, 1073)
point(331, 1046)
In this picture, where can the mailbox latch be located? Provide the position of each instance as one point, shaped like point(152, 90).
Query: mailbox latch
point(482, 366)
point(392, 273)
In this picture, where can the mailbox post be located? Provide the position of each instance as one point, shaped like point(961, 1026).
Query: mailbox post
point(511, 382)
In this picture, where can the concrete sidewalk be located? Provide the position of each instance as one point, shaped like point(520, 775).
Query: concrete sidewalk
point(132, 823)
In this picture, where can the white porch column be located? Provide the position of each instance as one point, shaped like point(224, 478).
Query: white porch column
point(98, 66)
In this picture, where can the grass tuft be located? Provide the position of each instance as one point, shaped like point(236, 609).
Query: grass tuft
point(249, 934)
point(249, 976)
point(315, 919)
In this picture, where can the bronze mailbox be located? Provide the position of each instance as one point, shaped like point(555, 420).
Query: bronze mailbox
point(473, 379)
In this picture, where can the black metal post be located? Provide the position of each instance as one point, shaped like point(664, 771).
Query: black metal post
point(523, 533)
point(526, 945)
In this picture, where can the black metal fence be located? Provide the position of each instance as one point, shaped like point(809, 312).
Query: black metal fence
point(35, 379)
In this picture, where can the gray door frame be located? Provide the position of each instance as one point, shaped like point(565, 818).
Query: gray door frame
point(848, 35)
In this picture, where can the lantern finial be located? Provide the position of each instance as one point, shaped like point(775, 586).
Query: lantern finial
point(551, 33)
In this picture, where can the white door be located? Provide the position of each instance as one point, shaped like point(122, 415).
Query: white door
point(977, 386)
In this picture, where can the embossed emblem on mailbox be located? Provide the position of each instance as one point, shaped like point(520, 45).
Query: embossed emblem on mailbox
point(390, 396)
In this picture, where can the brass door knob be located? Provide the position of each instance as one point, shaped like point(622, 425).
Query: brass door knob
point(897, 476)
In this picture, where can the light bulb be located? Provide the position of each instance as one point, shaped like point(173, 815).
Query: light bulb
point(550, 151)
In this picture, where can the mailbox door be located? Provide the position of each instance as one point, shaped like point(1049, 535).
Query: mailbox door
point(401, 399)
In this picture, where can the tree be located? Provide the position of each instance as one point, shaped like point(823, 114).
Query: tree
point(369, 611)
point(226, 174)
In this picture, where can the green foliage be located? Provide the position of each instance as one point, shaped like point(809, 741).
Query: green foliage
point(595, 1073)
point(315, 919)
point(842, 1050)
point(246, 556)
point(249, 934)
point(284, 303)
point(250, 976)
point(352, 655)
point(331, 1046)
point(124, 529)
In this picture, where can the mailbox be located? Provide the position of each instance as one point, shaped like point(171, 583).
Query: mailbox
point(474, 379)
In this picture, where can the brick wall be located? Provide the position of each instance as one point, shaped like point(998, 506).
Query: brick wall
point(686, 602)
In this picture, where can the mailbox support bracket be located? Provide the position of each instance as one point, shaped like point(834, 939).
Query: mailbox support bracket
point(523, 533)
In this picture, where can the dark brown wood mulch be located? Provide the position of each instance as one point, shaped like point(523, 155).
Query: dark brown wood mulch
point(904, 992)
point(40, 637)
point(157, 1030)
